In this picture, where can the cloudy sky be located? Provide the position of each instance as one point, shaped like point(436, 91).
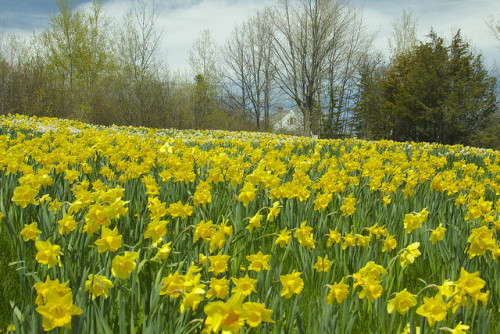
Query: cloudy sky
point(182, 20)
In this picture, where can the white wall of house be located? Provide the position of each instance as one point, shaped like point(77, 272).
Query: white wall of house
point(288, 121)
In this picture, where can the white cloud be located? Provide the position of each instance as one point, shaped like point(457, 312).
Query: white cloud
point(181, 21)
point(444, 16)
point(184, 24)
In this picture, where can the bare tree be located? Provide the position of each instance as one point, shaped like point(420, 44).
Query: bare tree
point(204, 59)
point(140, 39)
point(352, 44)
point(303, 43)
point(494, 25)
point(250, 59)
point(404, 37)
point(207, 96)
point(139, 43)
point(22, 76)
point(260, 64)
point(236, 76)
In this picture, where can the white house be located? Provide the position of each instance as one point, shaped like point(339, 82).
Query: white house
point(289, 121)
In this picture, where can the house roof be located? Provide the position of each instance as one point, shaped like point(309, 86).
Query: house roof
point(274, 118)
point(277, 117)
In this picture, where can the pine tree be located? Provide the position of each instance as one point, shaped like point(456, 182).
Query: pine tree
point(368, 118)
point(471, 99)
point(437, 93)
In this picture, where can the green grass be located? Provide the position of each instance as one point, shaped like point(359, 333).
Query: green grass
point(10, 287)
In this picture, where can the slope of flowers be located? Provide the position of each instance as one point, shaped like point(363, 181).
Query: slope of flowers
point(121, 229)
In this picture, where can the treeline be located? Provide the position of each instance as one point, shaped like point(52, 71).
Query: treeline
point(314, 55)
point(84, 67)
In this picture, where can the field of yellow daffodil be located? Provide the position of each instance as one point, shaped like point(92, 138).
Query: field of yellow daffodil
point(122, 230)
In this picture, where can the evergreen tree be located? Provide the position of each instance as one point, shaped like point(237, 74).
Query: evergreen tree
point(471, 98)
point(437, 93)
point(369, 123)
point(202, 101)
